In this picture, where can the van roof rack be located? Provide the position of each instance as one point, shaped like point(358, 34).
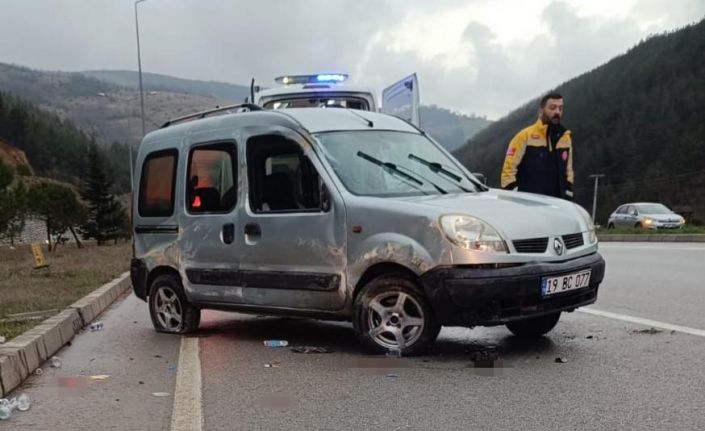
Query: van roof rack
point(204, 114)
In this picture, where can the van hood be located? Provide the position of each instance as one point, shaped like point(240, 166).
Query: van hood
point(515, 215)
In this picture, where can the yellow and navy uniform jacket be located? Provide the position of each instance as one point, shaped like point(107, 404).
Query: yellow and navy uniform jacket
point(540, 160)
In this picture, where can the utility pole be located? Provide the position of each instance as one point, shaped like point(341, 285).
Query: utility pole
point(594, 196)
point(139, 67)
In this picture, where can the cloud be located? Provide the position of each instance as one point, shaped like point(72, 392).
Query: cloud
point(471, 55)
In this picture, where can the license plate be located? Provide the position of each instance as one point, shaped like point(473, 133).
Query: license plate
point(564, 283)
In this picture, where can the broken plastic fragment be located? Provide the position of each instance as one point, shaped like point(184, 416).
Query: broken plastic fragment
point(311, 349)
point(561, 360)
point(160, 394)
point(23, 402)
point(96, 326)
point(276, 343)
point(100, 377)
point(55, 362)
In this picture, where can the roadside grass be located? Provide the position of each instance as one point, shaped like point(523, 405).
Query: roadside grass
point(688, 229)
point(72, 274)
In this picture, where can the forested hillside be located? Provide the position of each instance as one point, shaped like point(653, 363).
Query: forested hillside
point(55, 147)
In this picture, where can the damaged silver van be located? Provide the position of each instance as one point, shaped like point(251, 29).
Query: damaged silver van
point(346, 215)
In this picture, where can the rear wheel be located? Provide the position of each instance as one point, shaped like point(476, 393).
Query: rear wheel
point(638, 225)
point(392, 313)
point(169, 309)
point(534, 326)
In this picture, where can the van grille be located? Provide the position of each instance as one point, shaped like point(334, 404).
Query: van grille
point(573, 240)
point(532, 245)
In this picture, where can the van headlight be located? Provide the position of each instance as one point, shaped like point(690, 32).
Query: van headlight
point(472, 233)
point(592, 236)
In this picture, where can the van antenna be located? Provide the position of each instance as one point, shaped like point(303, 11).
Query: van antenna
point(367, 120)
point(252, 90)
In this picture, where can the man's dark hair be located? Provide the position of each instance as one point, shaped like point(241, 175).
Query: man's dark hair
point(545, 98)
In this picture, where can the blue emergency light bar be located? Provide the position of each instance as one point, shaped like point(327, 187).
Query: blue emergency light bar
point(330, 78)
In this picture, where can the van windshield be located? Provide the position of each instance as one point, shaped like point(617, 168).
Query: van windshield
point(390, 164)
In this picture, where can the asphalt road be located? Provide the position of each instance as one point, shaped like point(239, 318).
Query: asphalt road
point(618, 374)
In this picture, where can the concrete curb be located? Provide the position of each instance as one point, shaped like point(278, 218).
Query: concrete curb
point(651, 238)
point(22, 355)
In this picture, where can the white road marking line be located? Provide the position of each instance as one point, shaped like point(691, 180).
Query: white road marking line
point(186, 414)
point(645, 322)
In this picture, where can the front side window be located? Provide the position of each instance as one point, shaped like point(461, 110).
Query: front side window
point(388, 163)
point(156, 197)
point(212, 179)
point(281, 177)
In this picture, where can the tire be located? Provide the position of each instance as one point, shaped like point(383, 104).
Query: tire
point(534, 326)
point(377, 302)
point(610, 226)
point(638, 225)
point(169, 309)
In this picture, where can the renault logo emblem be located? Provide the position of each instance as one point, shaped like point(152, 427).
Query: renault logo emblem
point(558, 246)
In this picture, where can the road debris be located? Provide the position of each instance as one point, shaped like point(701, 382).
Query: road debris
point(649, 331)
point(272, 365)
point(100, 377)
point(96, 326)
point(21, 403)
point(275, 343)
point(55, 362)
point(487, 358)
point(161, 394)
point(561, 360)
point(2, 339)
point(311, 349)
point(589, 337)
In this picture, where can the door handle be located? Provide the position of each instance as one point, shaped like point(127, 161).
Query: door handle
point(253, 229)
point(228, 233)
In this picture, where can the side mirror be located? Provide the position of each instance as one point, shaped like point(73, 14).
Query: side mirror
point(325, 197)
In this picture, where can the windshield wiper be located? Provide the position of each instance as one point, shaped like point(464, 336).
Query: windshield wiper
point(392, 169)
point(439, 169)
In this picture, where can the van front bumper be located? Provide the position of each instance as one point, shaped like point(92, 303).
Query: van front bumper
point(473, 295)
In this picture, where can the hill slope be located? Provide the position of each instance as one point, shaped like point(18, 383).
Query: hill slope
point(450, 129)
point(639, 119)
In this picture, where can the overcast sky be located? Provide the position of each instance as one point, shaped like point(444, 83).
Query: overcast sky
point(473, 56)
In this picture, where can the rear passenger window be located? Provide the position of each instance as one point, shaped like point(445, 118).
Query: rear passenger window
point(212, 179)
point(157, 184)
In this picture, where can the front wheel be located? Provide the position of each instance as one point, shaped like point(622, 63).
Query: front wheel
point(610, 226)
point(169, 309)
point(534, 326)
point(392, 313)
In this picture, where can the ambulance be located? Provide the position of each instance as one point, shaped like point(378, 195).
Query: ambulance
point(331, 90)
